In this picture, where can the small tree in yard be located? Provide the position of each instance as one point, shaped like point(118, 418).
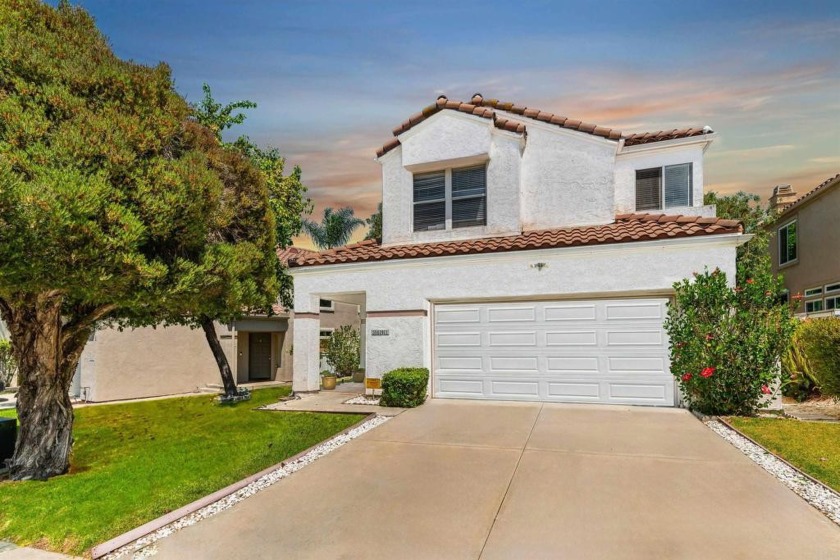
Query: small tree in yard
point(726, 342)
point(343, 351)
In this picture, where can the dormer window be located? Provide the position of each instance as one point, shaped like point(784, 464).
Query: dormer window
point(671, 184)
point(451, 198)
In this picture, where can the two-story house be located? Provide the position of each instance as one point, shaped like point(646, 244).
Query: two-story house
point(524, 256)
point(804, 248)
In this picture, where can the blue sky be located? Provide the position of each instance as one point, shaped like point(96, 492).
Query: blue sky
point(331, 79)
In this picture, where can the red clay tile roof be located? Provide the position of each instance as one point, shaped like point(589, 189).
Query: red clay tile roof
point(834, 181)
point(626, 228)
point(289, 253)
point(485, 108)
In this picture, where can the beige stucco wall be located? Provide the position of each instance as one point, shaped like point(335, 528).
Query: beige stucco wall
point(818, 231)
point(149, 362)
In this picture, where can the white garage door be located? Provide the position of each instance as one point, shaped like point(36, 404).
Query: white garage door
point(598, 351)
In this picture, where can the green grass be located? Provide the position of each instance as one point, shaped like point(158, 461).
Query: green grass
point(813, 447)
point(134, 462)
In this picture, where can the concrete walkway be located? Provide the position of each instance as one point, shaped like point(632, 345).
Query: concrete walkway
point(456, 479)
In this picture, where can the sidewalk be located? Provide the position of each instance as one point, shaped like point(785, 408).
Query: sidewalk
point(8, 551)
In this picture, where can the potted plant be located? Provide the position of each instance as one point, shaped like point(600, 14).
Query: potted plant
point(328, 380)
point(359, 375)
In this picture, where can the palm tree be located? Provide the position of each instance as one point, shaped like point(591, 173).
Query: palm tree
point(335, 228)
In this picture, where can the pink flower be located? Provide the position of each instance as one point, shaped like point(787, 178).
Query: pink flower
point(686, 377)
point(797, 297)
point(765, 389)
point(750, 280)
point(707, 372)
point(710, 336)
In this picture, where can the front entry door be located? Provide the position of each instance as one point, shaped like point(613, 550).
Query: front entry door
point(259, 356)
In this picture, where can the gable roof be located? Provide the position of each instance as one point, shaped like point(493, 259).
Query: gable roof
point(821, 188)
point(486, 108)
point(289, 253)
point(625, 228)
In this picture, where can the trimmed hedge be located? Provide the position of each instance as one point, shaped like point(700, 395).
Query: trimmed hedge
point(404, 387)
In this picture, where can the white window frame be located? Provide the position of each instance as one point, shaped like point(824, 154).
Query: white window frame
point(835, 302)
point(779, 243)
point(814, 302)
point(814, 292)
point(447, 222)
point(662, 205)
point(330, 307)
point(832, 288)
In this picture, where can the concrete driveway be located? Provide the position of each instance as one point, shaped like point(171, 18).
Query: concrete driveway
point(458, 479)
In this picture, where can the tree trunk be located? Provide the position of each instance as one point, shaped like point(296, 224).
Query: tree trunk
point(219, 354)
point(46, 366)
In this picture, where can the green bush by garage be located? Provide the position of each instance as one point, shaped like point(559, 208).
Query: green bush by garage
point(404, 387)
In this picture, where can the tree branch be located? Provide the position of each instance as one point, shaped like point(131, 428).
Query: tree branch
point(73, 328)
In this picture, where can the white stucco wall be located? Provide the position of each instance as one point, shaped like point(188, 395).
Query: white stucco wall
point(585, 272)
point(567, 179)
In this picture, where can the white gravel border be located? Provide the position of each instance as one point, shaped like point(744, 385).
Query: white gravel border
point(822, 498)
point(141, 548)
point(362, 399)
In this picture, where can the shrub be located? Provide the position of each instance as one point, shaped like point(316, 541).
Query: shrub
point(726, 342)
point(405, 387)
point(799, 381)
point(343, 351)
point(821, 342)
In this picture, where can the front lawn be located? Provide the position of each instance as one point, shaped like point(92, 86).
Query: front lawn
point(814, 447)
point(134, 462)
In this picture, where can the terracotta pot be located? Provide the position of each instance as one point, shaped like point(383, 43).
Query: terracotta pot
point(328, 382)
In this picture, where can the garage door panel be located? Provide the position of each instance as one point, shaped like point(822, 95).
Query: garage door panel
point(526, 314)
point(571, 338)
point(602, 351)
point(569, 312)
point(501, 364)
point(523, 338)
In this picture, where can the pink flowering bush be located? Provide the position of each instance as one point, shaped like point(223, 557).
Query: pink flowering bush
point(726, 342)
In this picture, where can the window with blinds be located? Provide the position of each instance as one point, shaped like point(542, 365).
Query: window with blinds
point(430, 201)
point(469, 196)
point(677, 185)
point(664, 187)
point(454, 196)
point(649, 189)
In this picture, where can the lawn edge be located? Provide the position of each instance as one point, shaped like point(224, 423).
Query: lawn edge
point(149, 527)
point(726, 423)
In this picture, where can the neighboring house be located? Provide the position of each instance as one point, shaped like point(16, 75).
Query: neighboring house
point(149, 362)
point(524, 256)
point(805, 247)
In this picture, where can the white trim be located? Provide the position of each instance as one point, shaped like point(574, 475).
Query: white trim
point(817, 293)
point(719, 240)
point(834, 290)
point(706, 139)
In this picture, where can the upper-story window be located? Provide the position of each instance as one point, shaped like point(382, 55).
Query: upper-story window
point(787, 243)
point(671, 184)
point(326, 305)
point(451, 198)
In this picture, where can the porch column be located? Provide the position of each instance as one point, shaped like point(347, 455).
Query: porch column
point(305, 352)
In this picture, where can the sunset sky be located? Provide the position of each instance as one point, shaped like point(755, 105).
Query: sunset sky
point(331, 79)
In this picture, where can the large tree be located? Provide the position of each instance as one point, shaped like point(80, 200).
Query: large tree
point(336, 228)
point(113, 205)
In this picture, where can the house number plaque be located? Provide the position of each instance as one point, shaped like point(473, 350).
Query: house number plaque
point(379, 332)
